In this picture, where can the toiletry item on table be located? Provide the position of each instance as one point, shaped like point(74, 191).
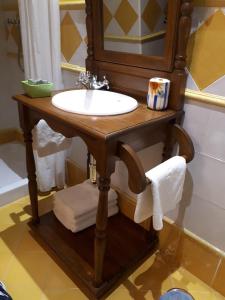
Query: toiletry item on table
point(37, 88)
point(164, 192)
point(76, 207)
point(158, 93)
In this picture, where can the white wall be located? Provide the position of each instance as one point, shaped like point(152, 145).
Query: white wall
point(202, 210)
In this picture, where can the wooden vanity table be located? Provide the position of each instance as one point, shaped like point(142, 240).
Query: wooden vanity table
point(99, 257)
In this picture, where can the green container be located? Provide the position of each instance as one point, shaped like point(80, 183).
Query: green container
point(37, 90)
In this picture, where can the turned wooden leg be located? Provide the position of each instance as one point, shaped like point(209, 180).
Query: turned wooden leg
point(32, 183)
point(100, 232)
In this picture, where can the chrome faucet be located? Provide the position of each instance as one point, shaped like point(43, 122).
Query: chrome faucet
point(90, 81)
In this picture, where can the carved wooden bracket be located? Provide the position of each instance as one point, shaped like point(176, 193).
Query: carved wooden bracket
point(137, 180)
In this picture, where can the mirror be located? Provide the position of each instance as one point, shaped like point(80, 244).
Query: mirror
point(137, 27)
point(140, 33)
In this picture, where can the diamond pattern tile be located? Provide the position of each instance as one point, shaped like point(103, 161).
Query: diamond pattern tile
point(125, 9)
point(107, 16)
point(152, 14)
point(70, 37)
point(206, 50)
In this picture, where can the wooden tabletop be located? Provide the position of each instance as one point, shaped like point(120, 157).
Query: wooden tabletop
point(102, 126)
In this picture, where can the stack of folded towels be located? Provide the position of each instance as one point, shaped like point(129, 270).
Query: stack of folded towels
point(76, 207)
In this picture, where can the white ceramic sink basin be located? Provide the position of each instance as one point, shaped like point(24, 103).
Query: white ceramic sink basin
point(94, 102)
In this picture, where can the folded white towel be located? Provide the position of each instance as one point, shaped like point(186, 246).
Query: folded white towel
point(167, 181)
point(75, 226)
point(46, 141)
point(67, 213)
point(81, 198)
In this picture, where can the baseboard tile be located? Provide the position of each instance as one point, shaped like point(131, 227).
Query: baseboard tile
point(177, 246)
point(10, 135)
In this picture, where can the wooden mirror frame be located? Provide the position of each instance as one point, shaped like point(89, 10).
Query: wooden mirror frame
point(163, 63)
point(130, 73)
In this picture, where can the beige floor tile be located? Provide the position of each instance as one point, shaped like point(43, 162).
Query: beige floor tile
point(216, 296)
point(28, 269)
point(10, 237)
point(28, 242)
point(67, 294)
point(153, 276)
point(29, 292)
point(5, 261)
point(30, 273)
point(131, 293)
point(169, 238)
point(187, 281)
point(12, 214)
point(57, 279)
point(219, 280)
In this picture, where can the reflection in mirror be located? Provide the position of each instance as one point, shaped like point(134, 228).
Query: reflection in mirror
point(135, 26)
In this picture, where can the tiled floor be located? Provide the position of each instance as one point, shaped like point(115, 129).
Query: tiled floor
point(30, 273)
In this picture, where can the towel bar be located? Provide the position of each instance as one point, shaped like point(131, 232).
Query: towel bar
point(138, 183)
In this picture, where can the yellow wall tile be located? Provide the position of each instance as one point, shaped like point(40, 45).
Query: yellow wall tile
point(125, 9)
point(206, 50)
point(151, 14)
point(70, 37)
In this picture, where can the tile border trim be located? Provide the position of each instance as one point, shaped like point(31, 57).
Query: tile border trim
point(205, 98)
point(72, 4)
point(189, 94)
point(209, 3)
point(135, 39)
point(72, 68)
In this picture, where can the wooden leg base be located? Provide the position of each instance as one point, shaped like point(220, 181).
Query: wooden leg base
point(127, 248)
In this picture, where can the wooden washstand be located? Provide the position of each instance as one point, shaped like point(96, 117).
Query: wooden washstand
point(100, 257)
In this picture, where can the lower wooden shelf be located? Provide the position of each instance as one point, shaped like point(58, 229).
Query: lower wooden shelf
point(128, 245)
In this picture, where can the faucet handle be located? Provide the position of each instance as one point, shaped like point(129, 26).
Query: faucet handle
point(106, 82)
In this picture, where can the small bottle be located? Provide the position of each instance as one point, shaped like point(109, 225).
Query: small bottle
point(92, 170)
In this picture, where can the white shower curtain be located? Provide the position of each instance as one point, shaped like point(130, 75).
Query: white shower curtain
point(40, 28)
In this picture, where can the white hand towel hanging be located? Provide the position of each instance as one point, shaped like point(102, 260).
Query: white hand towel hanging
point(164, 193)
point(46, 141)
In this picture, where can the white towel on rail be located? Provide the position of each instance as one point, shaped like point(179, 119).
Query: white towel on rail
point(165, 191)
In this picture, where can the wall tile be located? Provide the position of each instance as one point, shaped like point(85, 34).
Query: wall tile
point(207, 221)
point(217, 87)
point(208, 178)
point(214, 140)
point(204, 44)
point(191, 84)
point(195, 122)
